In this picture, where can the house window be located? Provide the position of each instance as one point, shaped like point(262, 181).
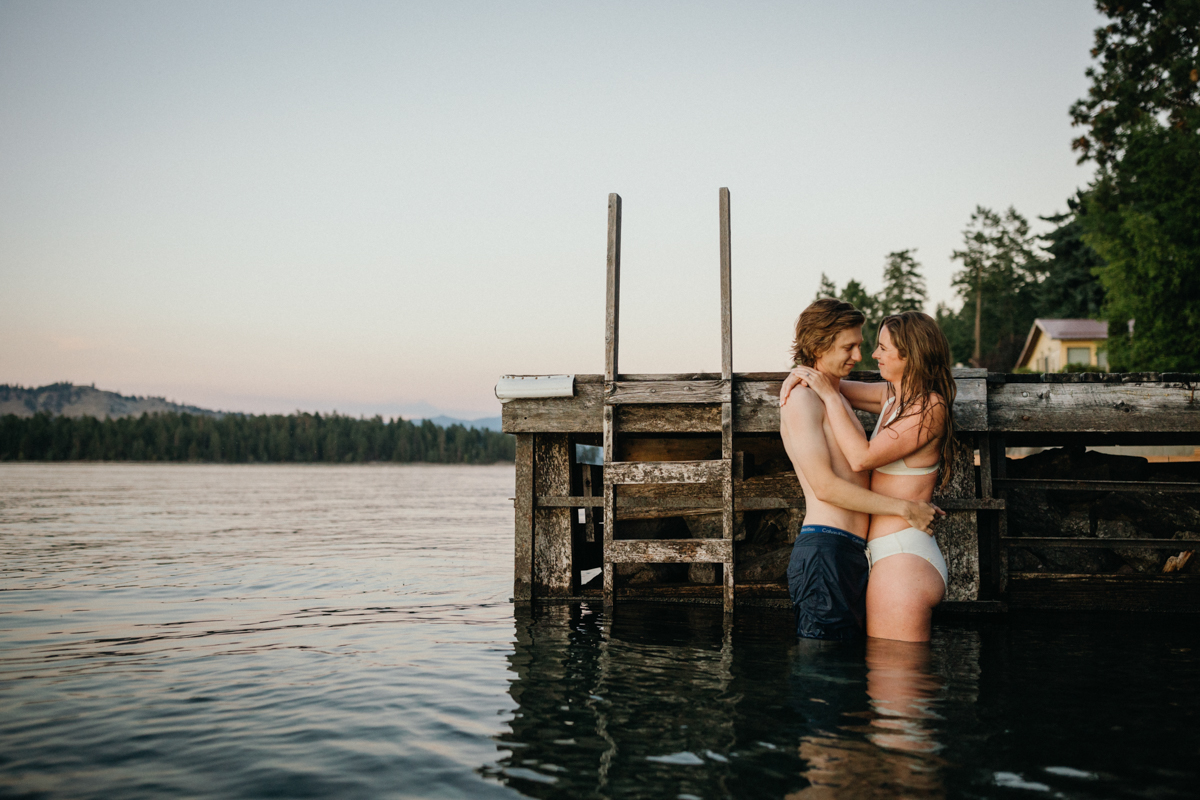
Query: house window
point(1079, 355)
point(1102, 359)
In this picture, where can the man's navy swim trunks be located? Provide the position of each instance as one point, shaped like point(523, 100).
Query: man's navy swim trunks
point(827, 578)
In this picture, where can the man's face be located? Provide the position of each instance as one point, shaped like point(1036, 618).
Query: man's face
point(839, 360)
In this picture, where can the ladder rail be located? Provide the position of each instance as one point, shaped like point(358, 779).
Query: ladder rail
point(617, 473)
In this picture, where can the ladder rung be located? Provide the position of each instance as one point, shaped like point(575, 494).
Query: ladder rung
point(686, 551)
point(622, 392)
point(711, 471)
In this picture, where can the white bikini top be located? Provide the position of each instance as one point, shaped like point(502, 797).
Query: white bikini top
point(898, 467)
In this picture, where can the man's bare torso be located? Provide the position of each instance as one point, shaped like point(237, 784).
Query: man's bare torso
point(817, 512)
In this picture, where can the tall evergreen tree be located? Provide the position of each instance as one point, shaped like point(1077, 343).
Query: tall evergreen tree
point(904, 290)
point(1071, 289)
point(1142, 121)
point(903, 284)
point(827, 288)
point(998, 285)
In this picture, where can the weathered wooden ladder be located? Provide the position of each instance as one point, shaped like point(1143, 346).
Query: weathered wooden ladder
point(618, 392)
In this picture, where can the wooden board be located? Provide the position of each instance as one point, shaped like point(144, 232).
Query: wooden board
point(523, 520)
point(1085, 542)
point(1164, 593)
point(1064, 485)
point(552, 556)
point(958, 532)
point(612, 314)
point(755, 409)
point(1093, 407)
point(623, 392)
point(726, 286)
point(703, 551)
point(658, 472)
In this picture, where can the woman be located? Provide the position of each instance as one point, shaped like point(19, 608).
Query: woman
point(912, 440)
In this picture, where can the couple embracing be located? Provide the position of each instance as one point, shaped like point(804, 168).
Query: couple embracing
point(867, 501)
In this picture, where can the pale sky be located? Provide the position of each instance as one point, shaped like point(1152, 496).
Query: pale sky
point(380, 207)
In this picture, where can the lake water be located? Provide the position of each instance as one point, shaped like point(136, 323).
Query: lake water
point(311, 631)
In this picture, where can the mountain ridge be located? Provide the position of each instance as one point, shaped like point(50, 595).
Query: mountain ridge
point(69, 400)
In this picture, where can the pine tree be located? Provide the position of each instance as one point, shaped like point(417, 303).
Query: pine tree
point(827, 288)
point(1001, 269)
point(903, 284)
point(1141, 118)
point(1071, 289)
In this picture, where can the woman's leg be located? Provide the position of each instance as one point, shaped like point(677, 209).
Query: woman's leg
point(901, 594)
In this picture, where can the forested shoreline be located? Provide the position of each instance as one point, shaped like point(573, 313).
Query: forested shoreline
point(247, 438)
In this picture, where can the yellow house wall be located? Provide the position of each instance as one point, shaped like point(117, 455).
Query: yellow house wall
point(1047, 355)
point(1050, 355)
point(1090, 344)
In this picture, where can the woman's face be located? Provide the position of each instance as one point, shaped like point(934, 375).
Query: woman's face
point(891, 365)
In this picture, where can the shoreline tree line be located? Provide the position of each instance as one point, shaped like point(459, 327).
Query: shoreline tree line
point(248, 438)
point(1127, 249)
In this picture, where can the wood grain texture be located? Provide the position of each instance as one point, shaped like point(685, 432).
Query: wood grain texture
point(620, 472)
point(1099, 544)
point(523, 520)
point(627, 392)
point(1093, 407)
point(958, 532)
point(552, 551)
point(970, 405)
point(610, 516)
point(726, 288)
point(755, 410)
point(1110, 592)
point(687, 551)
point(1098, 486)
point(613, 288)
point(588, 481)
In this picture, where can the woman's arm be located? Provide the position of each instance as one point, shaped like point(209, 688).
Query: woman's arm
point(800, 426)
point(865, 396)
point(899, 440)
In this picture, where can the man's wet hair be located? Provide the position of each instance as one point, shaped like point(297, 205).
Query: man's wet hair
point(818, 326)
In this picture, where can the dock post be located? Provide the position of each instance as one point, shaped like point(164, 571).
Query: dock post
point(611, 318)
point(523, 516)
point(553, 569)
point(727, 510)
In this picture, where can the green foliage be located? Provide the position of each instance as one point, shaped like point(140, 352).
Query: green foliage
point(1001, 277)
point(1144, 220)
point(237, 438)
point(903, 290)
point(1143, 209)
point(1071, 289)
point(903, 284)
point(1080, 368)
point(1148, 70)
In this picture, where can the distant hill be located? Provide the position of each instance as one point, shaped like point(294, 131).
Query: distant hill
point(483, 424)
point(69, 400)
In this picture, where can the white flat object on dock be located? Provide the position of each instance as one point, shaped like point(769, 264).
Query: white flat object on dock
point(513, 387)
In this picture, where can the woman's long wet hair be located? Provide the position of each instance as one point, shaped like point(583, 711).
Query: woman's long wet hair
point(918, 339)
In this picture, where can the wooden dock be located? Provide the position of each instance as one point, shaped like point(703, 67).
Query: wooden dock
point(741, 505)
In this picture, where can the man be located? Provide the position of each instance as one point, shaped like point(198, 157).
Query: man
point(827, 574)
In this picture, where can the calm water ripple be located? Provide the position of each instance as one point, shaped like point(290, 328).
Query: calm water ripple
point(311, 631)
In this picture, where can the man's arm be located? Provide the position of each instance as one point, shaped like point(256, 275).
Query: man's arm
point(804, 440)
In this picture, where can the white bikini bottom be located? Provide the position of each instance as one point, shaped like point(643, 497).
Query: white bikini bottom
point(910, 540)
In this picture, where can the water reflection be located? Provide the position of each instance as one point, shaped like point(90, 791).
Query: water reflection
point(893, 753)
point(675, 701)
